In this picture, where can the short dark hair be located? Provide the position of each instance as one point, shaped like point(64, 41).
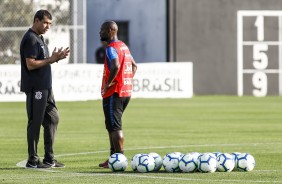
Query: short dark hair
point(41, 13)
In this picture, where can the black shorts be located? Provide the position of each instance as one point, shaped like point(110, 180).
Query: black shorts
point(114, 107)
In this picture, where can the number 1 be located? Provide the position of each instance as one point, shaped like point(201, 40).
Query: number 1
point(260, 27)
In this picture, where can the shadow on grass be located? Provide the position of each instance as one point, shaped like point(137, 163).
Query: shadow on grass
point(11, 169)
point(99, 170)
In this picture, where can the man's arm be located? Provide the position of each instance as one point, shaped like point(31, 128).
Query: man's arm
point(32, 64)
point(134, 66)
point(113, 72)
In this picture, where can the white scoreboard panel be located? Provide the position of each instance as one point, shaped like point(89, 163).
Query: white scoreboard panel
point(259, 53)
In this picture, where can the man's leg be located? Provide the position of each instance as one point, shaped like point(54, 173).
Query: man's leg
point(113, 107)
point(117, 134)
point(112, 147)
point(118, 140)
point(50, 125)
point(35, 104)
point(112, 151)
point(107, 108)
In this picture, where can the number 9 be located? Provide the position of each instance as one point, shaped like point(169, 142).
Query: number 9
point(260, 83)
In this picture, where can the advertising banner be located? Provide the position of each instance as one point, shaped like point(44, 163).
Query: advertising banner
point(163, 80)
point(80, 82)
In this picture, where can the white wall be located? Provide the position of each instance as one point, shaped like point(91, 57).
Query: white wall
point(147, 26)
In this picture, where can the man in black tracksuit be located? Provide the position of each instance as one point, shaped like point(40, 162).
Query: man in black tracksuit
point(36, 82)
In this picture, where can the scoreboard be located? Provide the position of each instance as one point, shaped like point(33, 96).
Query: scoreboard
point(259, 53)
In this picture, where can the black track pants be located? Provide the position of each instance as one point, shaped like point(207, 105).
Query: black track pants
point(41, 110)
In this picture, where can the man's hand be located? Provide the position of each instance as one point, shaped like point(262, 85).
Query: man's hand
point(60, 54)
point(33, 64)
point(107, 86)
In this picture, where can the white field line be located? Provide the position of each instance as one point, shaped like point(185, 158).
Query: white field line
point(165, 147)
point(141, 175)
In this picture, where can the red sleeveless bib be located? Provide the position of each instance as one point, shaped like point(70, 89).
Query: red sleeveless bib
point(123, 80)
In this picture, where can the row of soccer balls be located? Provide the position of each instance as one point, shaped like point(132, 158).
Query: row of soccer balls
point(190, 162)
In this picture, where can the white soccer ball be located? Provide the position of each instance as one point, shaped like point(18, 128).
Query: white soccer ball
point(134, 160)
point(245, 162)
point(235, 158)
point(117, 162)
point(195, 155)
point(211, 154)
point(158, 161)
point(225, 162)
point(145, 163)
point(188, 163)
point(171, 162)
point(216, 154)
point(207, 163)
point(179, 154)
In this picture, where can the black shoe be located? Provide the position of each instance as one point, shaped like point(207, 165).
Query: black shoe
point(53, 163)
point(36, 165)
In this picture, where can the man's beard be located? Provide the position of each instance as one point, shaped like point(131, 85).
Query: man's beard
point(104, 39)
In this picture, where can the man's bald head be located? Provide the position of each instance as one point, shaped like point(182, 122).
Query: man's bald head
point(109, 31)
point(110, 25)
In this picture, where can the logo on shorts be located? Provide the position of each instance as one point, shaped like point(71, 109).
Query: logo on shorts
point(38, 95)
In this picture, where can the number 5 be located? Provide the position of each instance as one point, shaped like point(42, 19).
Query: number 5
point(260, 58)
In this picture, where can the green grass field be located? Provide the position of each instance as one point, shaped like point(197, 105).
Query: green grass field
point(202, 124)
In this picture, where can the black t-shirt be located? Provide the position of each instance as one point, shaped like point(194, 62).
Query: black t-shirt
point(100, 55)
point(33, 46)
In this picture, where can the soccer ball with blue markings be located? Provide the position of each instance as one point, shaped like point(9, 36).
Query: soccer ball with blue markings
point(158, 161)
point(134, 161)
point(179, 154)
point(235, 158)
point(216, 154)
point(245, 162)
point(117, 162)
point(207, 163)
point(225, 162)
point(195, 155)
point(188, 163)
point(171, 162)
point(145, 163)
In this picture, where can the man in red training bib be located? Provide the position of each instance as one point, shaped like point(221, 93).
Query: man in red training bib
point(119, 69)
